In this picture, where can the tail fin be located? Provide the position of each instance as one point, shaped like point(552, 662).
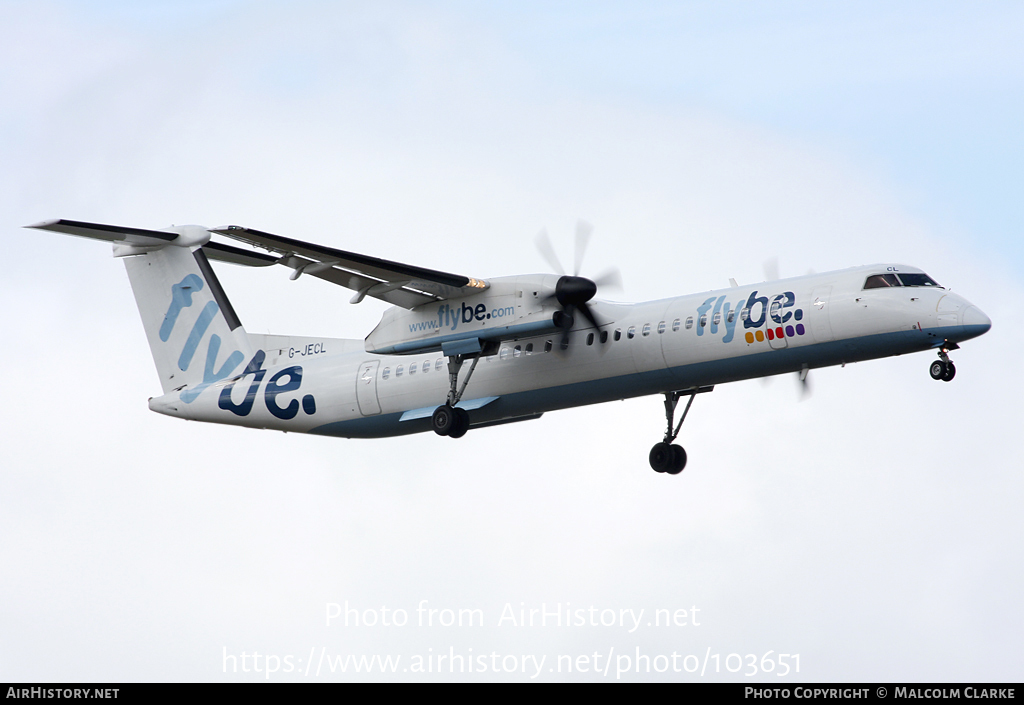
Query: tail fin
point(194, 333)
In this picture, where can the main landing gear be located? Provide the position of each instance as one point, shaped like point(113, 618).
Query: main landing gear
point(666, 456)
point(448, 419)
point(943, 368)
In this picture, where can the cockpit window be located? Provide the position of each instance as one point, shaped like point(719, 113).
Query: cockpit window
point(917, 280)
point(880, 281)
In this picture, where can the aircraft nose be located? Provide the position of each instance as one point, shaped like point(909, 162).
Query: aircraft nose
point(975, 321)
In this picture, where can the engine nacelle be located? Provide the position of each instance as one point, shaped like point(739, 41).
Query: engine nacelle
point(513, 307)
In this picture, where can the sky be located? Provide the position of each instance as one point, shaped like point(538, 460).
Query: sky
point(872, 528)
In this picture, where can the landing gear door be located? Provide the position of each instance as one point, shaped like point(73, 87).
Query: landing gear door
point(821, 326)
point(366, 388)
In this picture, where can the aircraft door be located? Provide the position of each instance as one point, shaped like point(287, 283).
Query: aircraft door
point(821, 326)
point(366, 388)
point(774, 330)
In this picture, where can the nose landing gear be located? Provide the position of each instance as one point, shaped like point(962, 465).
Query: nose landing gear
point(943, 368)
point(665, 456)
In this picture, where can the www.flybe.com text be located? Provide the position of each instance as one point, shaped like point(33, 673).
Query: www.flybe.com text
point(450, 318)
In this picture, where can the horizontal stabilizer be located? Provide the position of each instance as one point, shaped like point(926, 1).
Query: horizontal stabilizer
point(110, 233)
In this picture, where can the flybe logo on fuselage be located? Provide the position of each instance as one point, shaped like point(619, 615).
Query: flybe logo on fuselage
point(778, 313)
point(449, 318)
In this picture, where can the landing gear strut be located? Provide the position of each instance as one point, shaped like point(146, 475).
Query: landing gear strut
point(665, 456)
point(448, 419)
point(943, 368)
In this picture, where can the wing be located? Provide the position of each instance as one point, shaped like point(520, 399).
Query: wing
point(399, 284)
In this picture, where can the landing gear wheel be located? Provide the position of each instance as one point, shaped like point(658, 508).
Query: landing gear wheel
point(938, 370)
point(461, 423)
point(678, 460)
point(661, 457)
point(444, 420)
point(666, 456)
point(950, 372)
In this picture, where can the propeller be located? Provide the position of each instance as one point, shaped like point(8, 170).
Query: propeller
point(573, 292)
point(805, 384)
point(771, 273)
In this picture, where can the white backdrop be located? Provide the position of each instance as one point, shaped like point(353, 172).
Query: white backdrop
point(873, 529)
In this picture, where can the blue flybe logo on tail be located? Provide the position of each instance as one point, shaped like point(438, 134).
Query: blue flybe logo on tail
point(287, 380)
point(181, 298)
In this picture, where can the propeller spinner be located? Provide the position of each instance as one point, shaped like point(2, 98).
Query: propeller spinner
point(573, 291)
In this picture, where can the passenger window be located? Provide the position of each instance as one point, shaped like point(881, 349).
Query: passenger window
point(517, 351)
point(689, 322)
point(604, 337)
point(618, 334)
point(426, 366)
point(718, 318)
point(386, 373)
point(398, 371)
point(439, 364)
point(745, 314)
point(547, 346)
point(631, 332)
point(590, 339)
point(529, 348)
point(661, 327)
point(703, 320)
point(675, 325)
point(503, 354)
point(413, 368)
point(880, 281)
point(732, 316)
point(647, 329)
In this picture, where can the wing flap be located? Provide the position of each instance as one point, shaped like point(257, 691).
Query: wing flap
point(393, 293)
point(236, 255)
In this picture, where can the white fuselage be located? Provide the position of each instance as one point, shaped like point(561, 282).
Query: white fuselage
point(334, 387)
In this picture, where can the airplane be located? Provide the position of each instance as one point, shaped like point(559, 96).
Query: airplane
point(533, 343)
